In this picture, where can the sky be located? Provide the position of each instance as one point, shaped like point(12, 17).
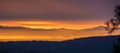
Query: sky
point(52, 14)
point(71, 14)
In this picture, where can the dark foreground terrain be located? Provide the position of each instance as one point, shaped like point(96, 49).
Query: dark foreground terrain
point(83, 45)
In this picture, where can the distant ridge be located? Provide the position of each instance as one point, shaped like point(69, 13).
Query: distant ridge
point(92, 37)
point(12, 27)
point(81, 45)
point(20, 27)
point(96, 28)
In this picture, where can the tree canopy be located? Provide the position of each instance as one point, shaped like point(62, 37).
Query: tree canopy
point(114, 23)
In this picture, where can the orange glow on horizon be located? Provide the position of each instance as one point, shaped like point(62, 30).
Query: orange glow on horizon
point(52, 24)
point(49, 35)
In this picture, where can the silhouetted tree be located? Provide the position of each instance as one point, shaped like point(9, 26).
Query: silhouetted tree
point(116, 47)
point(113, 23)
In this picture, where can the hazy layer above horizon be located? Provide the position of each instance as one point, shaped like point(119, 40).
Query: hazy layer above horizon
point(27, 34)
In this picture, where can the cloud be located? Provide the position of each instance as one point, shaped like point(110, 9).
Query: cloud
point(56, 9)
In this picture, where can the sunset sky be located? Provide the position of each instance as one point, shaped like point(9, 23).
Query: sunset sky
point(55, 20)
point(71, 14)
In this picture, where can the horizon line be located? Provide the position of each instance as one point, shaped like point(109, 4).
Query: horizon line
point(51, 28)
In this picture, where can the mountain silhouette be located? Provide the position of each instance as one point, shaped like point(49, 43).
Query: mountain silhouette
point(80, 45)
point(97, 28)
point(19, 27)
point(12, 27)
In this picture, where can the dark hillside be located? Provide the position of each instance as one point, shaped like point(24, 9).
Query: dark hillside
point(82, 45)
